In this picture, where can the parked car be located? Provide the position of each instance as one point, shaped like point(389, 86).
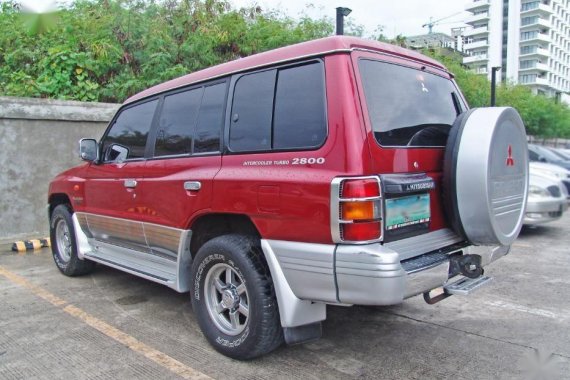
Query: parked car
point(339, 171)
point(538, 153)
point(547, 200)
point(555, 172)
point(560, 153)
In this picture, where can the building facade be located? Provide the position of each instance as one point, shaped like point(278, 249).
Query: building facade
point(528, 39)
point(431, 40)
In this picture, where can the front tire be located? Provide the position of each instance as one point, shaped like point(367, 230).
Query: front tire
point(234, 299)
point(64, 245)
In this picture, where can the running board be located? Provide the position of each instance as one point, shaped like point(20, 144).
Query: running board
point(463, 286)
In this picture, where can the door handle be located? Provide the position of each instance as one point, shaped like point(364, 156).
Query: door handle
point(130, 183)
point(192, 185)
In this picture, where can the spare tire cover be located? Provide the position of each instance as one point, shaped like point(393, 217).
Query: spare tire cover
point(486, 175)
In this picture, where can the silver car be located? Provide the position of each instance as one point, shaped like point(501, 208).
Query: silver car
point(554, 172)
point(547, 199)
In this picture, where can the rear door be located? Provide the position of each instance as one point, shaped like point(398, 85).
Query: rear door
point(409, 108)
point(112, 187)
point(185, 158)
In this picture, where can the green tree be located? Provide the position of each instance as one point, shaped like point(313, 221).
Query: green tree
point(107, 50)
point(541, 115)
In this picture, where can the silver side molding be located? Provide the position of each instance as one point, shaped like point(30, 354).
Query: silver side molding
point(163, 258)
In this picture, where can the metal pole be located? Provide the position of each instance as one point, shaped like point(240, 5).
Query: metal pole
point(339, 22)
point(341, 13)
point(493, 84)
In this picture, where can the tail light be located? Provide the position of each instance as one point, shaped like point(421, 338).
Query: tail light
point(356, 210)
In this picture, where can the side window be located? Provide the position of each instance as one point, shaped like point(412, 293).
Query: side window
point(279, 109)
point(250, 127)
point(299, 120)
point(129, 132)
point(210, 119)
point(176, 123)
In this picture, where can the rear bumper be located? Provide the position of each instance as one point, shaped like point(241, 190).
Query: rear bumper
point(372, 274)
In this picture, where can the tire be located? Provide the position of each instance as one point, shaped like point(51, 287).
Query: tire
point(64, 244)
point(485, 175)
point(238, 315)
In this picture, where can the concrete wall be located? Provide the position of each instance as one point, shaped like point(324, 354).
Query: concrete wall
point(38, 139)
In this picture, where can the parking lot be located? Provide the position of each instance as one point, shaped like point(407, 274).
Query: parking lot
point(112, 325)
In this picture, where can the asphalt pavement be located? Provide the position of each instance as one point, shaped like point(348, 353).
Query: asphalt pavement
point(111, 325)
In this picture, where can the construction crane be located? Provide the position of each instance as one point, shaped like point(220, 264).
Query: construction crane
point(432, 23)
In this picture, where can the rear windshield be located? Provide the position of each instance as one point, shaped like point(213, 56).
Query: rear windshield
point(408, 107)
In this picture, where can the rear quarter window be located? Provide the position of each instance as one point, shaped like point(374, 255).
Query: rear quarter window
point(280, 109)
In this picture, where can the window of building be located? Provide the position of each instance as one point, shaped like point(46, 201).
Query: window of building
point(529, 6)
point(528, 49)
point(529, 20)
point(130, 131)
point(529, 35)
point(527, 64)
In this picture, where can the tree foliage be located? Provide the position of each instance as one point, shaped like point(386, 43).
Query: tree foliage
point(107, 50)
point(542, 116)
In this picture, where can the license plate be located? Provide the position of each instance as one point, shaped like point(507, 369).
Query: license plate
point(407, 211)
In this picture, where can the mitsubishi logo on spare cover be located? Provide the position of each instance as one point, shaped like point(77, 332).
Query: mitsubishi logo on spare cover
point(510, 159)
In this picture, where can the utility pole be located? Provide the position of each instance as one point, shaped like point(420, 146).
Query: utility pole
point(341, 13)
point(494, 83)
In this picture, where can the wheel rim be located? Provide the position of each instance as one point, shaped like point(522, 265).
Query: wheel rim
point(63, 239)
point(226, 299)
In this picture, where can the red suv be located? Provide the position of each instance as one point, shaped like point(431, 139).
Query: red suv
point(333, 172)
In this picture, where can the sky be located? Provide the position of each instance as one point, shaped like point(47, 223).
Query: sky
point(397, 17)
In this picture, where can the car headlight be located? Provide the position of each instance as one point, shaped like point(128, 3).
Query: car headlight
point(536, 191)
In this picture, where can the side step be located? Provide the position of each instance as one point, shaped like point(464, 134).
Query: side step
point(466, 285)
point(463, 286)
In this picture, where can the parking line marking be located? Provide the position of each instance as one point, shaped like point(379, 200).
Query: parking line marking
point(522, 308)
point(125, 339)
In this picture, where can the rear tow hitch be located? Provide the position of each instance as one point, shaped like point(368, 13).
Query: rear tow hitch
point(470, 267)
point(467, 265)
point(463, 286)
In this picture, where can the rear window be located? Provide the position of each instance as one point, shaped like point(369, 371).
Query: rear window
point(408, 107)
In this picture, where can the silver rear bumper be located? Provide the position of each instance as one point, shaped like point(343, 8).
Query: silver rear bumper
point(308, 276)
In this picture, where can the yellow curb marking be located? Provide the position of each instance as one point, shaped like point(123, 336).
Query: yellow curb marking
point(134, 344)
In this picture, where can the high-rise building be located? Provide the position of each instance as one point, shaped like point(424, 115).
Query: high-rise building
point(431, 40)
point(528, 39)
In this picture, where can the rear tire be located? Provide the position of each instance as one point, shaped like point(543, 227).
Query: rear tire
point(64, 244)
point(234, 299)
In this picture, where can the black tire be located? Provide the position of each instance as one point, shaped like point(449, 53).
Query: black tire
point(262, 332)
point(67, 262)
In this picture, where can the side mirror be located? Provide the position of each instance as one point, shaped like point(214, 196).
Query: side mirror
point(88, 149)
